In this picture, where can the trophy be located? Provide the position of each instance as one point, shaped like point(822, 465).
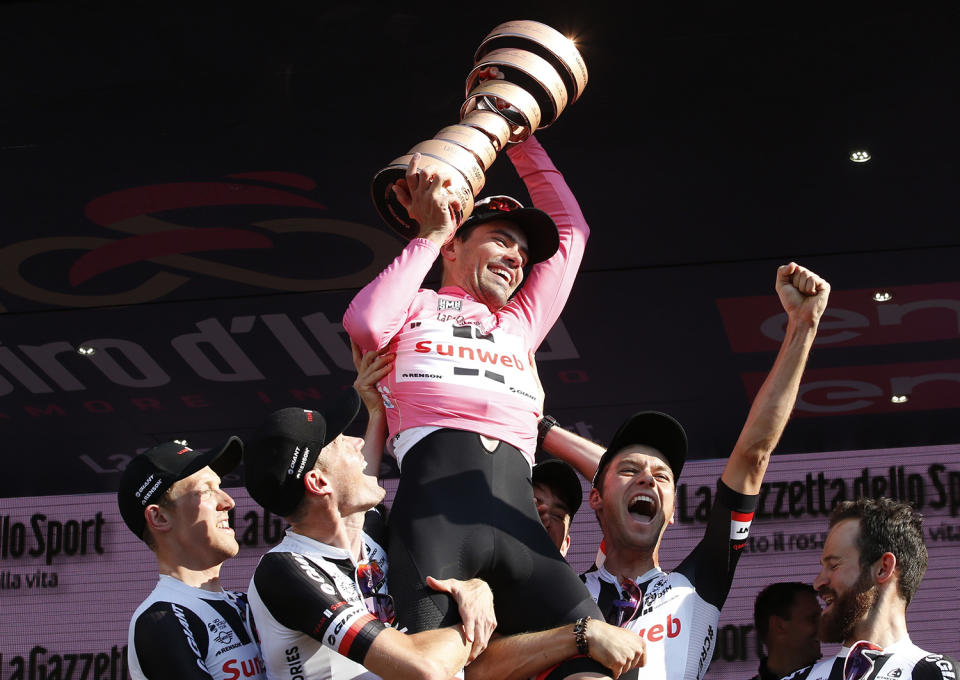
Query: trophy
point(525, 74)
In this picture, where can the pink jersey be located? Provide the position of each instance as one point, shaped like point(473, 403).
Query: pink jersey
point(458, 364)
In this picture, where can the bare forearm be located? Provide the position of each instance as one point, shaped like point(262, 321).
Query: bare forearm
point(770, 411)
point(433, 654)
point(523, 656)
point(581, 453)
point(374, 439)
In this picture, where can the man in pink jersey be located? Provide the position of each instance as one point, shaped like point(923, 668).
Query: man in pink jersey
point(462, 402)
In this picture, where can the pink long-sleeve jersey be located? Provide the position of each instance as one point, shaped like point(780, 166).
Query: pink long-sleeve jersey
point(458, 364)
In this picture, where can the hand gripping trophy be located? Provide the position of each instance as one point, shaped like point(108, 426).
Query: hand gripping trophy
point(525, 74)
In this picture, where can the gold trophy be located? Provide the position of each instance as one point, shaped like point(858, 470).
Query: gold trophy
point(525, 74)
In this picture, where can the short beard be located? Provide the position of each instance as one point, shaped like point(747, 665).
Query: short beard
point(848, 610)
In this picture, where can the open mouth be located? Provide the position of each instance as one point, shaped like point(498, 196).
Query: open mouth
point(642, 507)
point(224, 524)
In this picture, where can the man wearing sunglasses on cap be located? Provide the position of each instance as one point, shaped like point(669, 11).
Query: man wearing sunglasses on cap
point(633, 495)
point(462, 403)
point(189, 627)
point(872, 564)
point(319, 598)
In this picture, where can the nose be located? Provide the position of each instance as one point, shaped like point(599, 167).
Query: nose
point(821, 580)
point(226, 501)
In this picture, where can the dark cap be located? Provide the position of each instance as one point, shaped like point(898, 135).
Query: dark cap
point(649, 428)
point(539, 228)
point(562, 479)
point(148, 476)
point(286, 447)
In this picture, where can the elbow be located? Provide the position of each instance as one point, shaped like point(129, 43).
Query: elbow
point(429, 669)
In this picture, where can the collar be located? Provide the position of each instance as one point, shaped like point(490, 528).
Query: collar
point(901, 644)
point(610, 578)
point(294, 542)
point(456, 291)
point(173, 583)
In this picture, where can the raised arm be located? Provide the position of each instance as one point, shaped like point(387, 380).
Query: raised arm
point(371, 367)
point(803, 295)
point(378, 311)
point(548, 286)
point(581, 453)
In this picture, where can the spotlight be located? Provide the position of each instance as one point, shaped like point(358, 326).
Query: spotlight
point(860, 156)
point(882, 296)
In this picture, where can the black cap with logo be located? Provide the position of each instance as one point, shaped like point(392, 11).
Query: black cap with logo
point(286, 447)
point(649, 428)
point(148, 476)
point(543, 240)
point(562, 479)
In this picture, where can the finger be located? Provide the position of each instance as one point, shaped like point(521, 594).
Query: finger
point(443, 586)
point(356, 354)
point(413, 175)
point(403, 194)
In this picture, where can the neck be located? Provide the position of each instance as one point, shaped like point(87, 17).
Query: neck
point(344, 532)
point(627, 563)
point(884, 624)
point(205, 579)
point(782, 662)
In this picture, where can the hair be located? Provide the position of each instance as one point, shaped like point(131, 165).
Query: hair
point(888, 526)
point(776, 600)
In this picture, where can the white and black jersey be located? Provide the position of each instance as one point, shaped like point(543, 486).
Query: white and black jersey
point(192, 634)
point(317, 611)
point(902, 660)
point(680, 610)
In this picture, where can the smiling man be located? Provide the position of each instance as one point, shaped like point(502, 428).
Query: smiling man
point(189, 627)
point(462, 401)
point(872, 564)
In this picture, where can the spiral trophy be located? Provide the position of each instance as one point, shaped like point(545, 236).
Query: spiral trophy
point(525, 74)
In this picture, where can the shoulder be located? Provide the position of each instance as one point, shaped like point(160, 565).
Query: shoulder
point(936, 667)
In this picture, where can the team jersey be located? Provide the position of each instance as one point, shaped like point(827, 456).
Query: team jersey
point(317, 611)
point(680, 610)
point(458, 364)
point(184, 632)
point(902, 660)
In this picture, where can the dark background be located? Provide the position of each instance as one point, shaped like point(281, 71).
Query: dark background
point(710, 146)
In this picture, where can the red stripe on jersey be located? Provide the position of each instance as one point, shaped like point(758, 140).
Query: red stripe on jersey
point(352, 633)
point(741, 516)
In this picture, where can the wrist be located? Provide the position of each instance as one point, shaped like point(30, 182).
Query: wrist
point(543, 427)
point(580, 636)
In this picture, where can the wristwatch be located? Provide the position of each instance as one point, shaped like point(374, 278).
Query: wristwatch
point(543, 427)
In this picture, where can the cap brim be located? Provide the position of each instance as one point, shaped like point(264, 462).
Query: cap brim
point(227, 458)
point(654, 429)
point(340, 413)
point(562, 477)
point(543, 239)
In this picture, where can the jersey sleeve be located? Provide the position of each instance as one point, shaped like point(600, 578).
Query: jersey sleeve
point(168, 640)
point(541, 299)
point(936, 667)
point(711, 565)
point(302, 596)
point(381, 307)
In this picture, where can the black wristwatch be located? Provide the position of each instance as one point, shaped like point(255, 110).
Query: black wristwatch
point(543, 427)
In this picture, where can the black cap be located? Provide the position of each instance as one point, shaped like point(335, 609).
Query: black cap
point(286, 447)
point(148, 476)
point(543, 240)
point(562, 479)
point(649, 428)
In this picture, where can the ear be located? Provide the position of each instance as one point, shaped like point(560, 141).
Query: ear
point(566, 545)
point(448, 251)
point(158, 519)
point(317, 483)
point(775, 625)
point(596, 501)
point(885, 567)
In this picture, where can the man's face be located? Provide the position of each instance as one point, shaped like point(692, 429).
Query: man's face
point(199, 521)
point(848, 591)
point(489, 264)
point(635, 502)
point(343, 464)
point(554, 514)
point(802, 628)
